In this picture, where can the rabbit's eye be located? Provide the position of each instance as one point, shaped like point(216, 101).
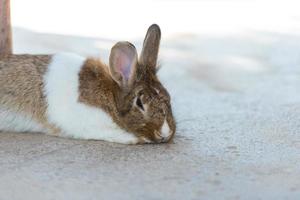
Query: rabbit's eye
point(139, 103)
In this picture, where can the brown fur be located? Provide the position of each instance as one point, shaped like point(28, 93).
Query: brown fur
point(21, 81)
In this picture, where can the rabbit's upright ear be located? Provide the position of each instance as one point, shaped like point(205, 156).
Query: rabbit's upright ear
point(151, 47)
point(123, 63)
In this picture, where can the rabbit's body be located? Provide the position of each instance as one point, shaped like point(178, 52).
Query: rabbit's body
point(42, 93)
point(69, 95)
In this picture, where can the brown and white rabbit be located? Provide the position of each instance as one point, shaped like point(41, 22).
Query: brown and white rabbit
point(68, 95)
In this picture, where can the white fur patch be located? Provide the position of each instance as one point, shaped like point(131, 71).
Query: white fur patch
point(76, 119)
point(165, 130)
point(18, 122)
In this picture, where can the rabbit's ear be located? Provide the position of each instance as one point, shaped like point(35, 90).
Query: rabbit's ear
point(151, 47)
point(123, 63)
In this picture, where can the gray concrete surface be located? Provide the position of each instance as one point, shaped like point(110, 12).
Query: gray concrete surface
point(238, 133)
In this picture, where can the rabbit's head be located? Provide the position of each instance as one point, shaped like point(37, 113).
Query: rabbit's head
point(143, 104)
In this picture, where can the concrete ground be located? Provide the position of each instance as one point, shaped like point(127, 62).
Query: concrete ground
point(237, 104)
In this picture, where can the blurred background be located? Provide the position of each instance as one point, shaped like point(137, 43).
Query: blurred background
point(220, 43)
point(119, 19)
point(227, 35)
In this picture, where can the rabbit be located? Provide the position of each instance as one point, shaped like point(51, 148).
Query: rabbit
point(68, 95)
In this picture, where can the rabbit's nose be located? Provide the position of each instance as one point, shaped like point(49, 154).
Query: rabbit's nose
point(158, 137)
point(165, 130)
point(164, 134)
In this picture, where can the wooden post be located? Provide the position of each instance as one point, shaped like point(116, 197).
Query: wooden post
point(5, 28)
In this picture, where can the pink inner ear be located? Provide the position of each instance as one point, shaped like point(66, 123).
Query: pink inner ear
point(124, 63)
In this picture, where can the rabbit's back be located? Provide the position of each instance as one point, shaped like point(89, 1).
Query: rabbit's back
point(21, 89)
